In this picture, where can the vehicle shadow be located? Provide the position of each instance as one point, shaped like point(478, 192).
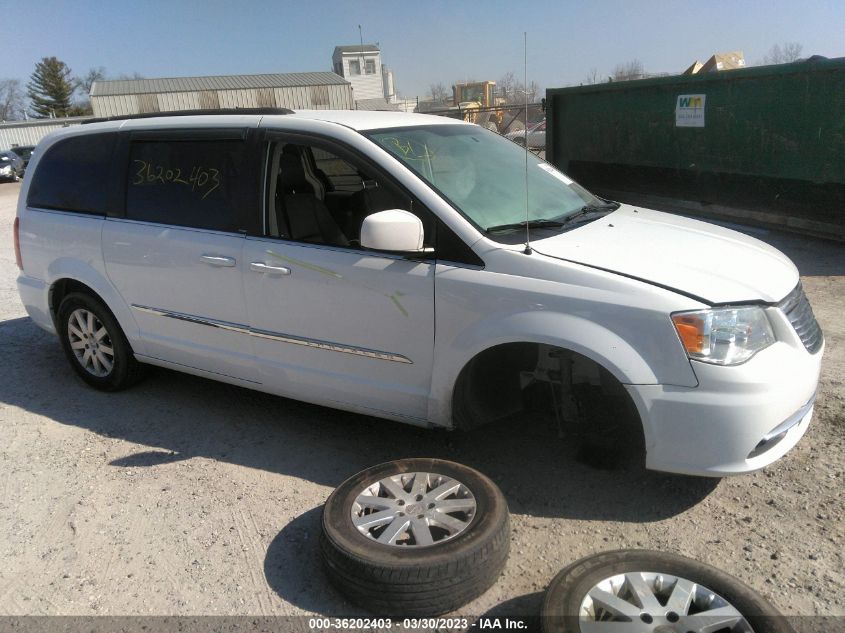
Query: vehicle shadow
point(519, 613)
point(293, 570)
point(175, 417)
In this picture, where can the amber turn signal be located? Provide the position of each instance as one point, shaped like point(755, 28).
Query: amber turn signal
point(691, 330)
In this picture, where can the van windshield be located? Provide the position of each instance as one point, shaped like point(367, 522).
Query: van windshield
point(483, 174)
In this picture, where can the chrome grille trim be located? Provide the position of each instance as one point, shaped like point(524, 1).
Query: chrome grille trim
point(799, 312)
point(277, 336)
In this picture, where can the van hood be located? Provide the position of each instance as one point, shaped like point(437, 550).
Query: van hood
point(694, 258)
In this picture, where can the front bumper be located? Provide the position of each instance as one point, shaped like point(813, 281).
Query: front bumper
point(739, 419)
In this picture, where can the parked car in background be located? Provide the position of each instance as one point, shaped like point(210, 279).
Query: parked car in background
point(536, 136)
point(24, 152)
point(11, 166)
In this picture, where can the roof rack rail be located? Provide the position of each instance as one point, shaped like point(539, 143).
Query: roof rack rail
point(151, 115)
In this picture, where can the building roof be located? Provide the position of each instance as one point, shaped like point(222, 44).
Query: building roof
point(378, 104)
point(68, 120)
point(217, 82)
point(356, 48)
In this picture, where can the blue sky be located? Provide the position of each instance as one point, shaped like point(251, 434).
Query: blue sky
point(423, 42)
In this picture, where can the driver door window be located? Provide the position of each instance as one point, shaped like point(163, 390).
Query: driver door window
point(318, 197)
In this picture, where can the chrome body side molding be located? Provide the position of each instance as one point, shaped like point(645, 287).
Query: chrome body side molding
point(276, 336)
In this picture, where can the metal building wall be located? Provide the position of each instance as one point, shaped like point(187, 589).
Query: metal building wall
point(117, 105)
point(324, 97)
point(174, 101)
point(31, 132)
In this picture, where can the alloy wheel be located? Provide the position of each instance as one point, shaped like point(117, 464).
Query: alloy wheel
point(90, 342)
point(641, 602)
point(417, 509)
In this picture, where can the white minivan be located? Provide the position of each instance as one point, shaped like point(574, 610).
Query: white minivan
point(413, 268)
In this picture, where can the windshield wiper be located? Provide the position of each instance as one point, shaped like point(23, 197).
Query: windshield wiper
point(531, 224)
point(587, 209)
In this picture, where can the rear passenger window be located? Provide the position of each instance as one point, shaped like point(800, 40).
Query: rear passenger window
point(71, 175)
point(186, 183)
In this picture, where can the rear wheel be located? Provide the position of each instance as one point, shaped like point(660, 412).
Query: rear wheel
point(94, 343)
point(415, 537)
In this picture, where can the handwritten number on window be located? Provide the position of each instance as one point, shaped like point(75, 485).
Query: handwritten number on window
point(202, 179)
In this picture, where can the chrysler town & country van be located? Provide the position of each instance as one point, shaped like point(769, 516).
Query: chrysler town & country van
point(413, 268)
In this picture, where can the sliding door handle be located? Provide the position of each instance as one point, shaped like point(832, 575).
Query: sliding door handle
point(261, 267)
point(217, 260)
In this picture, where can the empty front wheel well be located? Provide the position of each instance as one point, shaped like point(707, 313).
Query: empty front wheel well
point(576, 392)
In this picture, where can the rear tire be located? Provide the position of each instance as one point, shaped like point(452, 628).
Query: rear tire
point(95, 345)
point(570, 591)
point(409, 577)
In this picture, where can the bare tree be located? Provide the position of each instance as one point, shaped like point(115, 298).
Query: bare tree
point(629, 70)
point(83, 84)
point(507, 85)
point(438, 92)
point(12, 104)
point(512, 90)
point(789, 52)
point(592, 77)
point(533, 91)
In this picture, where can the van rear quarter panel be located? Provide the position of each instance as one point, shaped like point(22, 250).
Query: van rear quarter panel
point(59, 245)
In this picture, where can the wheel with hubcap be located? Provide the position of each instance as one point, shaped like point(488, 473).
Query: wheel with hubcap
point(415, 537)
point(94, 343)
point(639, 591)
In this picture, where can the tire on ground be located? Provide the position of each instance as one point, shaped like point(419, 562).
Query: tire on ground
point(567, 591)
point(126, 370)
point(409, 580)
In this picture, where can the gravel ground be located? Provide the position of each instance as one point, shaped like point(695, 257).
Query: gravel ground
point(184, 496)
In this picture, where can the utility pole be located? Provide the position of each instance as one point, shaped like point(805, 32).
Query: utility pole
point(361, 55)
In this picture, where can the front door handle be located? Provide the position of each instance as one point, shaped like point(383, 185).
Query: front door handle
point(261, 267)
point(217, 260)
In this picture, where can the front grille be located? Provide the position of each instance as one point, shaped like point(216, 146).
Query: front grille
point(797, 309)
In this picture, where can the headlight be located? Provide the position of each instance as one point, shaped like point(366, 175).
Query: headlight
point(724, 336)
point(6, 169)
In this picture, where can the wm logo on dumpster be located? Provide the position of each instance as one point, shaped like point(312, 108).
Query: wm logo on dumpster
point(689, 111)
point(691, 102)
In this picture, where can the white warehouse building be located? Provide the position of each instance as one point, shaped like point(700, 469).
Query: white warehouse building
point(312, 91)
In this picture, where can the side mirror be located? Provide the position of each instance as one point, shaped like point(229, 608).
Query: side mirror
point(395, 230)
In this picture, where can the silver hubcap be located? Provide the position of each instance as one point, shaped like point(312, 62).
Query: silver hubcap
point(413, 509)
point(90, 342)
point(642, 602)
